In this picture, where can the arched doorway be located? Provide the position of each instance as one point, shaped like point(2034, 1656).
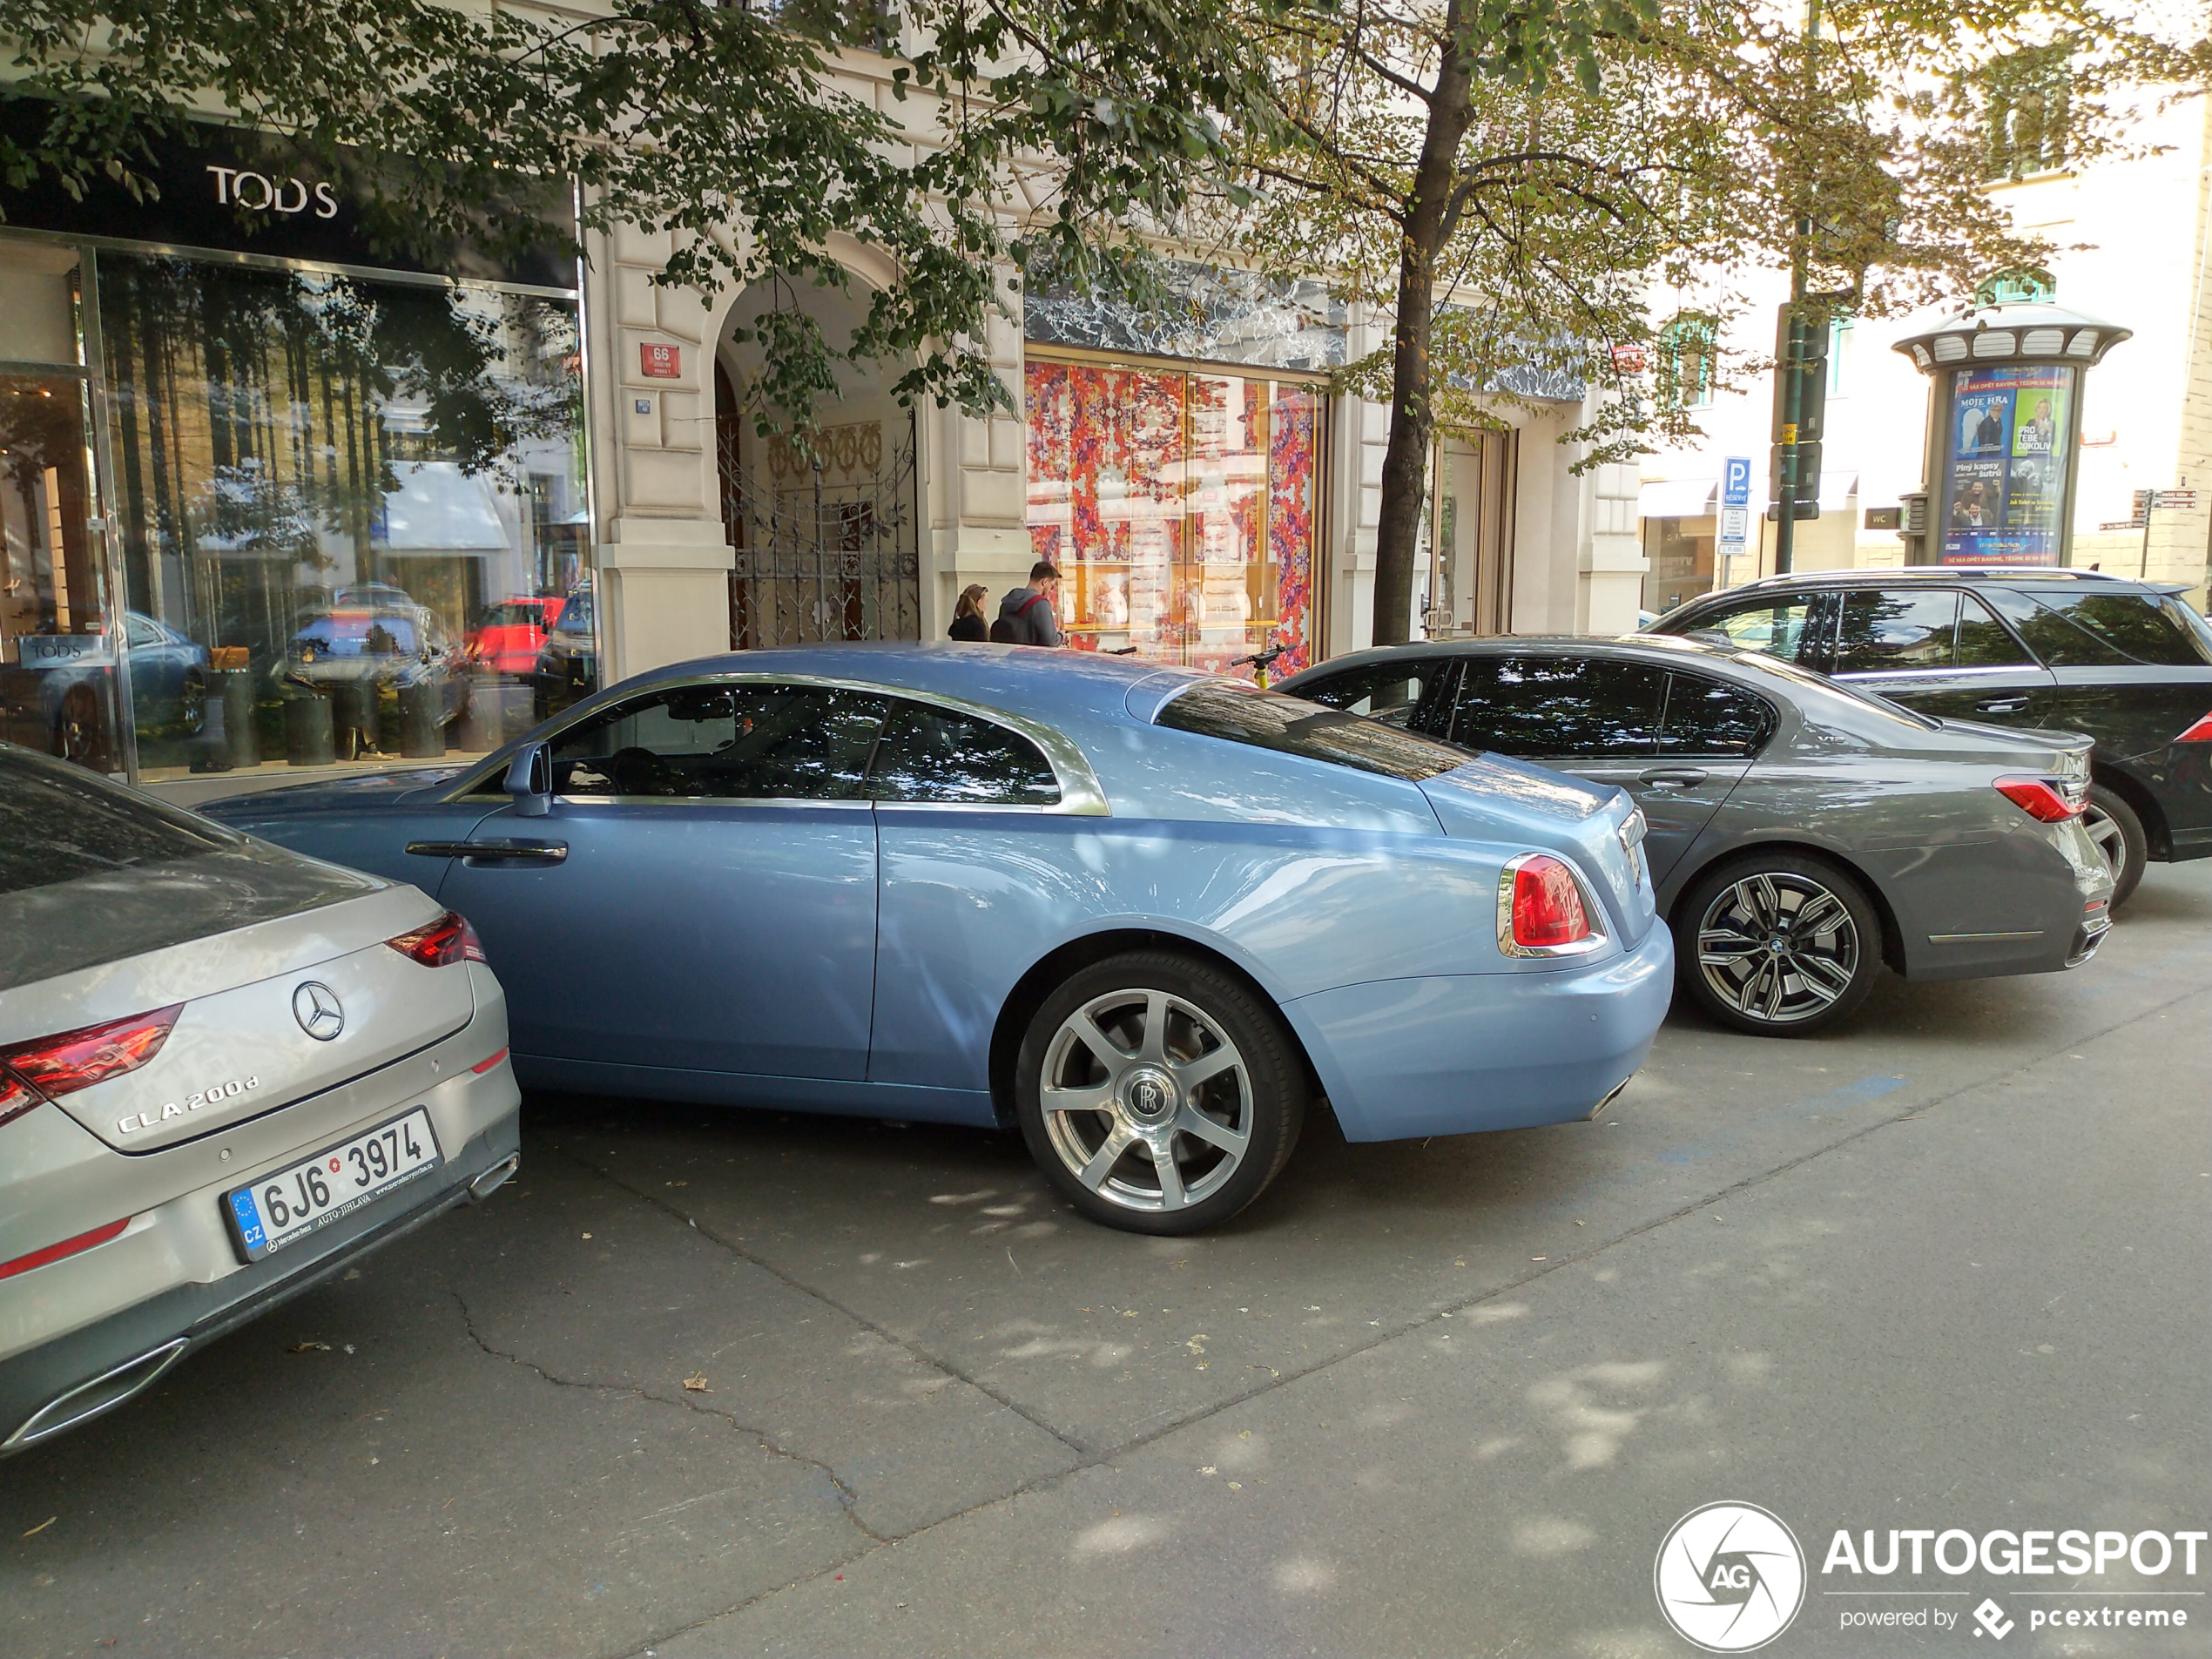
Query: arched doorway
point(828, 534)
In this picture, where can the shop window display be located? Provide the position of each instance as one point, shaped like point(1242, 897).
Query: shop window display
point(351, 511)
point(1180, 507)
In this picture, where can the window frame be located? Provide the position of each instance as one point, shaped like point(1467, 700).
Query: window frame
point(1080, 794)
point(1691, 337)
point(1770, 724)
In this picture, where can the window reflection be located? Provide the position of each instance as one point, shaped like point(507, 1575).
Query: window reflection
point(356, 507)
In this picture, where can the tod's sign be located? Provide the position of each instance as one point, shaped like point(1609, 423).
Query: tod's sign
point(230, 190)
point(258, 193)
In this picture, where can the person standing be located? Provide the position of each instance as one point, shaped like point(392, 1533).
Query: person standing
point(967, 615)
point(1025, 615)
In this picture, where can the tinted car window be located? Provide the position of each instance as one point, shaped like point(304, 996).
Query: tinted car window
point(1405, 694)
point(1708, 718)
point(1984, 641)
point(744, 742)
point(1535, 703)
point(57, 826)
point(934, 754)
point(1776, 626)
point(357, 635)
point(1893, 629)
point(1291, 726)
point(2085, 630)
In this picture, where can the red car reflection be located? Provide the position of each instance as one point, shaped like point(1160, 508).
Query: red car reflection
point(508, 636)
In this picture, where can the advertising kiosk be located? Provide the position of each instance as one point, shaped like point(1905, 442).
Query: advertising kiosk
point(2004, 429)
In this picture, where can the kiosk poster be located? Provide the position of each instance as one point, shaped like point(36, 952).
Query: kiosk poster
point(2003, 495)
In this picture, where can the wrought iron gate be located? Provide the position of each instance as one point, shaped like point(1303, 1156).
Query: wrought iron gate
point(828, 544)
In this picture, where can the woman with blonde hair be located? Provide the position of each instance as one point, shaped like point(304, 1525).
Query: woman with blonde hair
point(967, 615)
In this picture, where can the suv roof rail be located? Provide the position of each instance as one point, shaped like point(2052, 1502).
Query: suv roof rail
point(1935, 573)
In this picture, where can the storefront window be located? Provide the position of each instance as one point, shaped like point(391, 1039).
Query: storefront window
point(1180, 507)
point(57, 652)
point(351, 513)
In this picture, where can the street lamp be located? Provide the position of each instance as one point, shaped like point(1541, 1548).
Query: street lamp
point(2003, 431)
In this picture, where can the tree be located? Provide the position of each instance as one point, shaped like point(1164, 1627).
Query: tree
point(1509, 185)
point(715, 122)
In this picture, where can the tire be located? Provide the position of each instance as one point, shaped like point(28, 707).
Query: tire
point(1122, 1033)
point(2113, 826)
point(1745, 960)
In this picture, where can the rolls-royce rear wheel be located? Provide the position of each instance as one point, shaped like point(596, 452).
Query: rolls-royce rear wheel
point(1158, 1093)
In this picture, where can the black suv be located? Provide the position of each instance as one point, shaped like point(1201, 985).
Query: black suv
point(2126, 663)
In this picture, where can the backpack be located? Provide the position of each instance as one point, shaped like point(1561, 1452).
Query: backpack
point(1003, 627)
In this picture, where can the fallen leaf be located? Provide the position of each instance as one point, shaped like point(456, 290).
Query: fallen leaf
point(587, 1235)
point(308, 1347)
point(42, 1526)
point(697, 1385)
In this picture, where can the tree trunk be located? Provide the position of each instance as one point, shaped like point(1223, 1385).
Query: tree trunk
point(1413, 418)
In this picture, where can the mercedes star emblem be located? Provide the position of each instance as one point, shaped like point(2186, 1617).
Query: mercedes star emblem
point(317, 1008)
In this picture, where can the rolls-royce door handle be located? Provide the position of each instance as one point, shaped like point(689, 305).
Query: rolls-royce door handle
point(2000, 705)
point(493, 851)
point(1672, 778)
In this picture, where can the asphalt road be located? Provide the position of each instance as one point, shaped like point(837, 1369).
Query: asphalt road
point(701, 1384)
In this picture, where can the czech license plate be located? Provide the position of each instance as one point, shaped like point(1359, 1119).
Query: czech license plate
point(291, 1204)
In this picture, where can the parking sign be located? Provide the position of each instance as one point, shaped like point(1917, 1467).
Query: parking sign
point(1736, 482)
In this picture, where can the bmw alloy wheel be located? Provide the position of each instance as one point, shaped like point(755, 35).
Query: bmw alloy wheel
point(1778, 948)
point(1146, 1101)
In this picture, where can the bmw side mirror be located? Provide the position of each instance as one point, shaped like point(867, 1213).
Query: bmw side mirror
point(530, 781)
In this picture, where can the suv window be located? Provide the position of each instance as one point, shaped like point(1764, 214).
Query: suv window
point(934, 754)
point(1984, 641)
point(1406, 694)
point(742, 742)
point(1891, 629)
point(1707, 718)
point(1292, 725)
point(1777, 627)
point(2071, 630)
point(1535, 703)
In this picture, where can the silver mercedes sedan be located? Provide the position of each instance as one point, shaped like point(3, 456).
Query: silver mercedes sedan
point(225, 1071)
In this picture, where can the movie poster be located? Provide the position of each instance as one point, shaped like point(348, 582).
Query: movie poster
point(2005, 491)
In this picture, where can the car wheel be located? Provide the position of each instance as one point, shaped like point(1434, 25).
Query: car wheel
point(1784, 944)
point(2117, 831)
point(1158, 1093)
point(78, 734)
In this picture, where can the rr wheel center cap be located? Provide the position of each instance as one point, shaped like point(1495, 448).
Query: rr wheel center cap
point(1150, 1096)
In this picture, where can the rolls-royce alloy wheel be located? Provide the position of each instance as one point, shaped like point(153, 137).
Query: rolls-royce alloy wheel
point(1158, 1093)
point(1783, 945)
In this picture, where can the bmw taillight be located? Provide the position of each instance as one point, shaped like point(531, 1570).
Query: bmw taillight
point(1541, 909)
point(2043, 798)
point(440, 944)
point(2201, 732)
point(47, 1068)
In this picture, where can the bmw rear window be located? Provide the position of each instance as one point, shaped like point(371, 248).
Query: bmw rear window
point(1240, 713)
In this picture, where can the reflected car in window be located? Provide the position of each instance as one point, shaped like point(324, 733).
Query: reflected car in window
point(509, 636)
point(1800, 835)
point(567, 668)
point(2126, 664)
point(1145, 915)
point(385, 650)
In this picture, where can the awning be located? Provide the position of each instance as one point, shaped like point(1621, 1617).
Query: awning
point(440, 508)
point(1677, 498)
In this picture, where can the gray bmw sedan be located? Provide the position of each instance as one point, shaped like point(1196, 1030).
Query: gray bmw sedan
point(225, 1070)
point(1800, 835)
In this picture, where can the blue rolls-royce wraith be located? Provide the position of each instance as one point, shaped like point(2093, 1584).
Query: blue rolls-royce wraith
point(1144, 913)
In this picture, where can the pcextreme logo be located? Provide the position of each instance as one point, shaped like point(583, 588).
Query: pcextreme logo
point(1729, 1577)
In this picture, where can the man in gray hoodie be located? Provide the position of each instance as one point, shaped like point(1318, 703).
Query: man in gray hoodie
point(1025, 615)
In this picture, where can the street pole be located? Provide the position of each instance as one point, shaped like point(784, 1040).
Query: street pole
point(1785, 529)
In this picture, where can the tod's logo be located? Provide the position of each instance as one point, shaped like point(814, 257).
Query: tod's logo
point(258, 193)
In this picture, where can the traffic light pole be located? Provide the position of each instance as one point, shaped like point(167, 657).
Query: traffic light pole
point(1790, 389)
